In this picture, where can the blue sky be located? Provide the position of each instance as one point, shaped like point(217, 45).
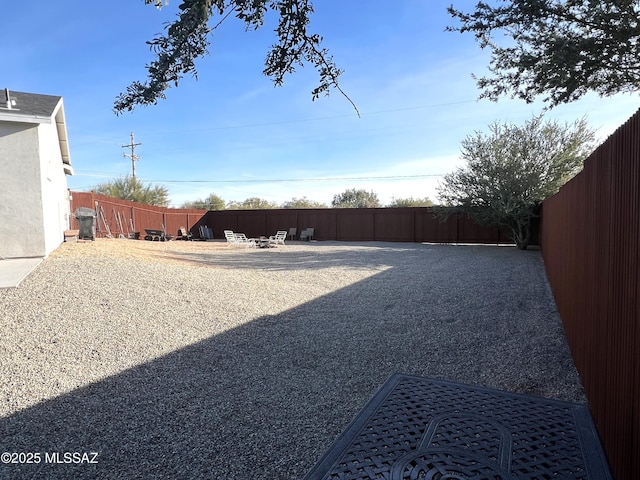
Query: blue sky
point(233, 133)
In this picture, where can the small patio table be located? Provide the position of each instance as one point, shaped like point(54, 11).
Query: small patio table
point(263, 242)
point(422, 428)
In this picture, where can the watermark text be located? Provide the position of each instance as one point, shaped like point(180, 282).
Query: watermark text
point(21, 458)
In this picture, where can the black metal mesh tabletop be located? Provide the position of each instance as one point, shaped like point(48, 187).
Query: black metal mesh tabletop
point(419, 428)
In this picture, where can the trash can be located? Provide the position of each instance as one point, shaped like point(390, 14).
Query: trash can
point(86, 218)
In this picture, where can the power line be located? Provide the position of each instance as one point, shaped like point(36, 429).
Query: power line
point(269, 180)
point(329, 117)
point(320, 179)
point(306, 120)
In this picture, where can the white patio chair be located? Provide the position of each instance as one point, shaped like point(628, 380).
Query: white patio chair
point(242, 240)
point(307, 234)
point(231, 238)
point(278, 238)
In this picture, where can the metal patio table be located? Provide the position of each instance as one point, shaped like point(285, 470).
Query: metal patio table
point(422, 428)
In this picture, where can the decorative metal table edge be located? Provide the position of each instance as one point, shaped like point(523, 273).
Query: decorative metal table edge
point(423, 428)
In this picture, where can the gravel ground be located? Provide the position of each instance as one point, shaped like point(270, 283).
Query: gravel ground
point(191, 360)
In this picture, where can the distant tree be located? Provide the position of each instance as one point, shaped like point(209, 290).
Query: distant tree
point(253, 203)
point(410, 202)
point(303, 202)
point(132, 189)
point(558, 48)
point(212, 202)
point(355, 199)
point(511, 170)
point(187, 40)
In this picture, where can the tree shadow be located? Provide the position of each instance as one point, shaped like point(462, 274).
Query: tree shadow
point(265, 399)
point(311, 257)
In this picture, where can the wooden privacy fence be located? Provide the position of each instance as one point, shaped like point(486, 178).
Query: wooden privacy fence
point(356, 224)
point(416, 224)
point(123, 217)
point(590, 241)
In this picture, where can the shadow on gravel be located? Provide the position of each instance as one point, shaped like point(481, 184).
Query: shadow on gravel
point(285, 258)
point(265, 400)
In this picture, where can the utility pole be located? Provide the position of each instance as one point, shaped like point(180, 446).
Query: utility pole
point(134, 158)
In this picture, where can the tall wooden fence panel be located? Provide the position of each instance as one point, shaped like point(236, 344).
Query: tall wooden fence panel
point(122, 217)
point(590, 241)
point(416, 224)
point(356, 224)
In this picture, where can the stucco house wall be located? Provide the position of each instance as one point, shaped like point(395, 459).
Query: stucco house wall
point(34, 203)
point(55, 209)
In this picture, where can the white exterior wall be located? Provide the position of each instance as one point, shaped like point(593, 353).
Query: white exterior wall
point(53, 182)
point(21, 203)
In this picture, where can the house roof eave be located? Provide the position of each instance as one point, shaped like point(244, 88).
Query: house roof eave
point(39, 109)
point(61, 127)
point(11, 116)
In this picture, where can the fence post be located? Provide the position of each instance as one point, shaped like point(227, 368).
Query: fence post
point(413, 225)
point(373, 227)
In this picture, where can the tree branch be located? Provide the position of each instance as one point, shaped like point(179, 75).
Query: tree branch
point(187, 40)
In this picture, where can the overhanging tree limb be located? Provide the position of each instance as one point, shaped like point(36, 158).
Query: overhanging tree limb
point(559, 49)
point(187, 40)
